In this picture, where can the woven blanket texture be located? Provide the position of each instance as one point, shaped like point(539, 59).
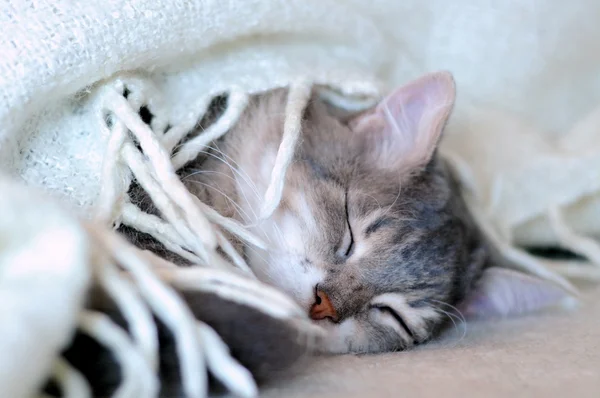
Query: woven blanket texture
point(524, 135)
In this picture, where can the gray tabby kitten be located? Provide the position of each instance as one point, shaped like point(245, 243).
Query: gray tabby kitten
point(372, 237)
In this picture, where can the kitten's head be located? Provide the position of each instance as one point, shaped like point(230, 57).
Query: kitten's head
point(372, 236)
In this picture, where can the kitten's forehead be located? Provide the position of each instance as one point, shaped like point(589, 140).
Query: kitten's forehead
point(332, 153)
point(329, 149)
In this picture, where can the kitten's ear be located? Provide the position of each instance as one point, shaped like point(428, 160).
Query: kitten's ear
point(502, 292)
point(402, 131)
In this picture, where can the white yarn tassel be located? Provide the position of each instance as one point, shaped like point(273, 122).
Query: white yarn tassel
point(71, 382)
point(228, 371)
point(113, 187)
point(575, 270)
point(138, 379)
point(169, 307)
point(298, 97)
point(233, 287)
point(499, 235)
point(160, 230)
point(519, 257)
point(163, 202)
point(143, 92)
point(236, 105)
point(137, 315)
point(345, 102)
point(190, 229)
point(163, 168)
point(216, 353)
point(231, 225)
point(571, 240)
point(179, 131)
point(182, 234)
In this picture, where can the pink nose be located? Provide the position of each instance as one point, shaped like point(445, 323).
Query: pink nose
point(322, 308)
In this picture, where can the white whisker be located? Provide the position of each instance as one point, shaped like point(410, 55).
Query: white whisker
point(372, 197)
point(257, 253)
point(237, 207)
point(461, 318)
point(247, 219)
point(458, 313)
point(201, 172)
point(245, 175)
point(279, 235)
point(394, 202)
point(236, 171)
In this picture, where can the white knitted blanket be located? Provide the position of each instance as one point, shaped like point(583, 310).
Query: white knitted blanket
point(524, 137)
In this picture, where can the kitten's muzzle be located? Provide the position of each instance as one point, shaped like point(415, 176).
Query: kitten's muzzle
point(323, 308)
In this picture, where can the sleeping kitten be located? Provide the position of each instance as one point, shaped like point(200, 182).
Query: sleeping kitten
point(372, 237)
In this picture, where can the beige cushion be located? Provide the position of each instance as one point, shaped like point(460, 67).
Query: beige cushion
point(551, 355)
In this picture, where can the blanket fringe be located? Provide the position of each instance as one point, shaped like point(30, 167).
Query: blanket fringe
point(190, 229)
point(71, 382)
point(500, 235)
point(568, 238)
point(298, 97)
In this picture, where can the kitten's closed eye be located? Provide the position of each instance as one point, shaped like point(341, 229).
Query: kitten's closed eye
point(379, 223)
point(347, 247)
point(411, 324)
point(396, 316)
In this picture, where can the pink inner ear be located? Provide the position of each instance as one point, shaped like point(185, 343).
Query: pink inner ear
point(504, 292)
point(406, 126)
